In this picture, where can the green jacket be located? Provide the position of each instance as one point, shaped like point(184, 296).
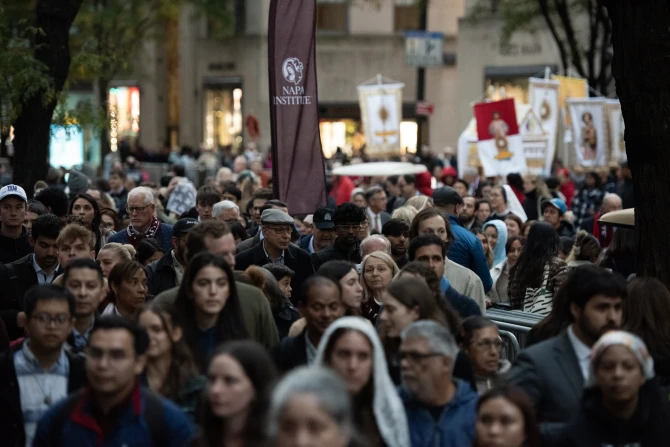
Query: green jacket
point(256, 312)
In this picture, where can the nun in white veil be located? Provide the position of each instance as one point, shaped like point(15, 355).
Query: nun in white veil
point(386, 406)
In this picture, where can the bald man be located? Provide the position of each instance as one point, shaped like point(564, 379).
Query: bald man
point(604, 233)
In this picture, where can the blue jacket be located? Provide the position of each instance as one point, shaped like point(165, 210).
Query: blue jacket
point(467, 251)
point(132, 430)
point(465, 306)
point(456, 426)
point(163, 236)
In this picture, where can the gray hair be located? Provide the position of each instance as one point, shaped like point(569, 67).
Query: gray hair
point(222, 206)
point(438, 337)
point(142, 190)
point(371, 192)
point(371, 239)
point(322, 384)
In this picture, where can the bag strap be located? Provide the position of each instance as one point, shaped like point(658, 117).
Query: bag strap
point(153, 415)
point(59, 419)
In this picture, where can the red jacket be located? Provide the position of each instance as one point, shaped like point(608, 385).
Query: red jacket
point(568, 190)
point(342, 187)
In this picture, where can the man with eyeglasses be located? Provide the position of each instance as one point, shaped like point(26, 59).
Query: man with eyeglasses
point(38, 372)
point(115, 410)
point(276, 248)
point(253, 241)
point(482, 343)
point(348, 219)
point(441, 410)
point(143, 223)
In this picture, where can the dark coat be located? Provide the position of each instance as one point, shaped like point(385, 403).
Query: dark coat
point(290, 353)
point(305, 242)
point(248, 243)
point(295, 258)
point(337, 252)
point(625, 191)
point(162, 275)
point(14, 288)
point(11, 415)
point(14, 249)
point(163, 236)
point(566, 229)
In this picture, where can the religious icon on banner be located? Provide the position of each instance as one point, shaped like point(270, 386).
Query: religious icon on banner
point(589, 137)
point(498, 130)
point(499, 144)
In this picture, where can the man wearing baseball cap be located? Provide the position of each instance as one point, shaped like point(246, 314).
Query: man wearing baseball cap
point(14, 242)
point(552, 212)
point(168, 271)
point(323, 231)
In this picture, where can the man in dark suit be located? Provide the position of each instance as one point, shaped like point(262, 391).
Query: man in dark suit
point(553, 372)
point(40, 267)
point(320, 305)
point(258, 237)
point(376, 198)
point(276, 247)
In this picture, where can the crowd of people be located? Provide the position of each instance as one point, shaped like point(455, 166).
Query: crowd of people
point(136, 314)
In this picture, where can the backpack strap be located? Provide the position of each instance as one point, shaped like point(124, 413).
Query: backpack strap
point(153, 415)
point(59, 419)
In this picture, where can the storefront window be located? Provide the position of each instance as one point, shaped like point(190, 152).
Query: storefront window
point(124, 114)
point(332, 15)
point(223, 117)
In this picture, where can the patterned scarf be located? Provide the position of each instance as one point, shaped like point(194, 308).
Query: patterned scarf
point(134, 237)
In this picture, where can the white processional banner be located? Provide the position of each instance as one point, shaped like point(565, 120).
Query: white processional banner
point(617, 130)
point(500, 145)
point(589, 131)
point(381, 114)
point(544, 101)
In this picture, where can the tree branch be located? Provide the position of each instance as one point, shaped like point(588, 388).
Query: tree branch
point(605, 57)
point(544, 8)
point(576, 56)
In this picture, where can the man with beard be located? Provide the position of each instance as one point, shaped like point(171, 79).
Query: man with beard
point(348, 219)
point(553, 372)
point(467, 215)
point(397, 232)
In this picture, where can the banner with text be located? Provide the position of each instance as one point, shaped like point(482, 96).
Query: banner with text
point(500, 145)
point(544, 102)
point(381, 114)
point(298, 169)
point(589, 131)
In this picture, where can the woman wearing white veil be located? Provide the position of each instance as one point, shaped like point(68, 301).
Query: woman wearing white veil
point(513, 204)
point(380, 414)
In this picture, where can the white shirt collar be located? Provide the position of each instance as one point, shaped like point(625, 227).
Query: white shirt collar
point(582, 352)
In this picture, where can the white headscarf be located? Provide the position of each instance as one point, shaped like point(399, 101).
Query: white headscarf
point(513, 203)
point(387, 407)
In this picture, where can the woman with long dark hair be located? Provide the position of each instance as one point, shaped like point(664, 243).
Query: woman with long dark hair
point(538, 263)
point(620, 255)
point(622, 403)
point(506, 418)
point(85, 206)
point(208, 301)
point(170, 369)
point(646, 313)
point(352, 349)
point(240, 377)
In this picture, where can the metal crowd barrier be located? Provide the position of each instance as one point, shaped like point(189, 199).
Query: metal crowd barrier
point(514, 326)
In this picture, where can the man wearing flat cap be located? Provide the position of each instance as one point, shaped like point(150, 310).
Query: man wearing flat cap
point(276, 248)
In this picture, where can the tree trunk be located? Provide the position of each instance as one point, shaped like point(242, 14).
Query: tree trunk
point(33, 126)
point(103, 101)
point(641, 39)
point(171, 30)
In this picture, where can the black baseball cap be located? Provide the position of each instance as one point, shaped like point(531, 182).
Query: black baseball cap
point(323, 218)
point(184, 226)
point(446, 195)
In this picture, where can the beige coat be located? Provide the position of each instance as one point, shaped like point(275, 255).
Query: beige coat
point(466, 282)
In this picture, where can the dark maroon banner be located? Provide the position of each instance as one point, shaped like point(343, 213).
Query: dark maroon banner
point(298, 172)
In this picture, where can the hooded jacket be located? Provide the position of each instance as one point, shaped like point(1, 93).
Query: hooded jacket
point(565, 229)
point(14, 249)
point(455, 426)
